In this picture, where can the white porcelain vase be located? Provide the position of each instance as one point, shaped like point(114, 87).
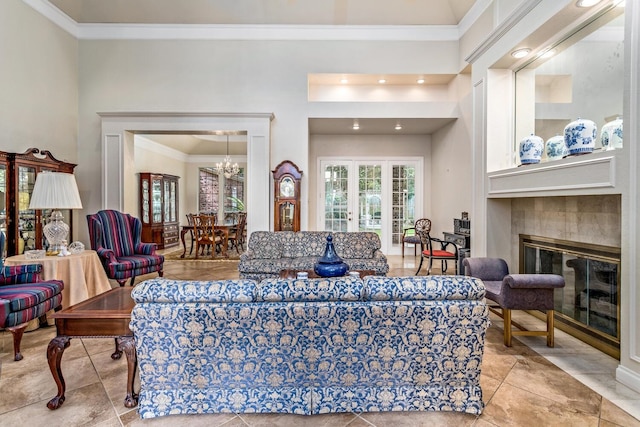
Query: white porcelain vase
point(611, 134)
point(580, 136)
point(556, 148)
point(531, 149)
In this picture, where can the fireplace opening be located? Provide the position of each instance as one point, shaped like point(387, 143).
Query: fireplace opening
point(588, 306)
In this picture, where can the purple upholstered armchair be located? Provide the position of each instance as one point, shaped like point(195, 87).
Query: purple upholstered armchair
point(515, 292)
point(115, 236)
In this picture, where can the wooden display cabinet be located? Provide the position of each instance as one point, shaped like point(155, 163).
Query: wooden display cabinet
point(159, 209)
point(23, 225)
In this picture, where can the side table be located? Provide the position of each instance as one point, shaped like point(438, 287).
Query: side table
point(82, 274)
point(105, 315)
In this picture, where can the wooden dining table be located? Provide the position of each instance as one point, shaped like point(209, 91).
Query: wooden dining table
point(224, 229)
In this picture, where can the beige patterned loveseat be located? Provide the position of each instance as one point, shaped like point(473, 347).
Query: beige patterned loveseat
point(269, 252)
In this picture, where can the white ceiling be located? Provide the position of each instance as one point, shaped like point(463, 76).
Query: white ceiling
point(373, 13)
point(270, 12)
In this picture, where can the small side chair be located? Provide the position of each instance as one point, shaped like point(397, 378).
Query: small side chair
point(515, 292)
point(435, 249)
point(24, 297)
point(409, 236)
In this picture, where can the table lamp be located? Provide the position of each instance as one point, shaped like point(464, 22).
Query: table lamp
point(55, 190)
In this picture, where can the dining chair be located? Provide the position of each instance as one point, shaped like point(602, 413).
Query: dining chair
point(204, 234)
point(190, 224)
point(236, 234)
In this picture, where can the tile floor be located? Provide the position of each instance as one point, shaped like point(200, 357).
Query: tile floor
point(525, 385)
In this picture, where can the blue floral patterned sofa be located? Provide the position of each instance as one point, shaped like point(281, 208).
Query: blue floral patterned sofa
point(269, 252)
point(310, 346)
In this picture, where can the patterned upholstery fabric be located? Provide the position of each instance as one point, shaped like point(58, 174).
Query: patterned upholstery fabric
point(270, 252)
point(310, 346)
point(325, 289)
point(115, 236)
point(23, 297)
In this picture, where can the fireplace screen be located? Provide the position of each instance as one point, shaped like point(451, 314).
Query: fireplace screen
point(589, 300)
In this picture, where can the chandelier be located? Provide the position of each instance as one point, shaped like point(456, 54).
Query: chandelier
point(225, 167)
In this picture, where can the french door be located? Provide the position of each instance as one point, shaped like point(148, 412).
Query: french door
point(378, 195)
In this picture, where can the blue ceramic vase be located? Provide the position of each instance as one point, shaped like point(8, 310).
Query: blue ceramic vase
point(330, 264)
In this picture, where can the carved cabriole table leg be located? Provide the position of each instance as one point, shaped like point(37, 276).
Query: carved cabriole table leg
point(54, 356)
point(127, 345)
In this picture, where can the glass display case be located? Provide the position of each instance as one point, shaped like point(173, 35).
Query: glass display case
point(159, 209)
point(23, 225)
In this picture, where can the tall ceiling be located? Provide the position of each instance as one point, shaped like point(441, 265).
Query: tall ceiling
point(303, 13)
point(272, 12)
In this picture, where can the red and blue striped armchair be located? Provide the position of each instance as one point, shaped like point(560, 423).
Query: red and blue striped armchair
point(24, 297)
point(115, 236)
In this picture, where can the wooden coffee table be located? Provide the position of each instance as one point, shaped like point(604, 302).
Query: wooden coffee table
point(105, 315)
point(292, 273)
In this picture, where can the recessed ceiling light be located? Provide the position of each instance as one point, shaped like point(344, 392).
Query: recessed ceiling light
point(547, 54)
point(520, 53)
point(398, 126)
point(587, 3)
point(356, 125)
point(344, 81)
point(382, 81)
point(420, 81)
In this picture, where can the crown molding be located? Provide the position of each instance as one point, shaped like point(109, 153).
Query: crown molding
point(259, 32)
point(505, 26)
point(267, 32)
point(472, 15)
point(161, 114)
point(56, 16)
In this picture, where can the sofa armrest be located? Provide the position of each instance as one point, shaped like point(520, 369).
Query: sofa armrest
point(19, 274)
point(146, 248)
point(534, 281)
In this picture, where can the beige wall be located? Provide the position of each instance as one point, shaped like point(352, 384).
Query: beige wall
point(451, 192)
point(152, 161)
point(39, 83)
point(237, 77)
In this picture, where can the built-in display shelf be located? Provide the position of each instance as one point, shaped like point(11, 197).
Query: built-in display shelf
point(593, 173)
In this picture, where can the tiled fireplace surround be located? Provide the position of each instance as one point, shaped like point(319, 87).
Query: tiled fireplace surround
point(585, 219)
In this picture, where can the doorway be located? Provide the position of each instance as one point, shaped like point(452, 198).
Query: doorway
point(377, 195)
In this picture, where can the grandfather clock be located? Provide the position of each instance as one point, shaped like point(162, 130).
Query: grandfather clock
point(286, 181)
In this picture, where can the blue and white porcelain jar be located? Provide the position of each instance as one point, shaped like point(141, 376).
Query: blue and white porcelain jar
point(580, 136)
point(556, 148)
point(531, 150)
point(611, 134)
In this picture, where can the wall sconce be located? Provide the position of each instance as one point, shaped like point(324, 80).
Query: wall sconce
point(398, 126)
point(356, 125)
